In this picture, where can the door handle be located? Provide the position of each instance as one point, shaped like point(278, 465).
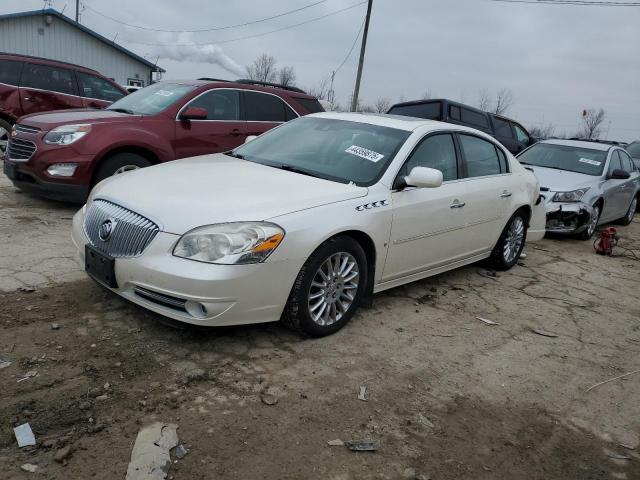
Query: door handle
point(235, 132)
point(505, 194)
point(457, 204)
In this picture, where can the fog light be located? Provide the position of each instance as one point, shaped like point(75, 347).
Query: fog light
point(195, 309)
point(62, 169)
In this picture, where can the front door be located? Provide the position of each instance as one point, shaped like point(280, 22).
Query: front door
point(616, 199)
point(223, 130)
point(44, 88)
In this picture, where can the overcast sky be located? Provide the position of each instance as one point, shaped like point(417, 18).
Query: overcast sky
point(557, 60)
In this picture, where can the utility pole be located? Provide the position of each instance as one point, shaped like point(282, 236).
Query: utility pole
point(78, 11)
point(356, 91)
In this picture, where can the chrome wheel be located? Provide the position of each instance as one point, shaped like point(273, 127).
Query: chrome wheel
point(4, 139)
point(333, 288)
point(593, 221)
point(126, 168)
point(632, 209)
point(514, 240)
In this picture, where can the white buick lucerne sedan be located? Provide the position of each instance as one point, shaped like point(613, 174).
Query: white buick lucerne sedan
point(306, 222)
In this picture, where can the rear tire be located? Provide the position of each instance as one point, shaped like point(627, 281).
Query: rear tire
point(593, 223)
point(507, 251)
point(628, 218)
point(119, 163)
point(328, 289)
point(5, 133)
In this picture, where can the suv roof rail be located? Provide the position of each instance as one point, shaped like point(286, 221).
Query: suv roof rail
point(209, 79)
point(270, 84)
point(47, 60)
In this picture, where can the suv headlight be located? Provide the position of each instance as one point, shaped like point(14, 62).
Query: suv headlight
point(573, 196)
point(238, 243)
point(66, 134)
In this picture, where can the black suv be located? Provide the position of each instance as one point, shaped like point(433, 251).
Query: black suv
point(511, 134)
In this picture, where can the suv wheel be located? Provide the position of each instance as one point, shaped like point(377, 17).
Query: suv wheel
point(118, 164)
point(328, 288)
point(5, 132)
point(510, 244)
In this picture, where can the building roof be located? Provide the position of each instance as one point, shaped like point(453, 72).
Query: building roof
point(55, 13)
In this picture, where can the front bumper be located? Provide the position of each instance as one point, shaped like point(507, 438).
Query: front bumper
point(567, 218)
point(195, 292)
point(28, 181)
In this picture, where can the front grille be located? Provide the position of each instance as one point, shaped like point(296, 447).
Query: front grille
point(26, 128)
point(131, 233)
point(161, 299)
point(20, 150)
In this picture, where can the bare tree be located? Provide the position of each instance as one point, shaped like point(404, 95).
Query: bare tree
point(543, 131)
point(263, 69)
point(504, 101)
point(484, 100)
point(427, 95)
point(287, 76)
point(592, 121)
point(321, 90)
point(382, 105)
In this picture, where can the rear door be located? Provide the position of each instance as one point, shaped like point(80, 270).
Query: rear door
point(223, 130)
point(263, 111)
point(10, 71)
point(44, 88)
point(505, 134)
point(96, 92)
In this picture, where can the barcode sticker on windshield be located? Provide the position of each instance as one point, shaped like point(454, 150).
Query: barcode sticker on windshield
point(364, 153)
point(590, 162)
point(164, 93)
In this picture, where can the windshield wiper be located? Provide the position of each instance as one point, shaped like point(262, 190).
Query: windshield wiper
point(121, 110)
point(291, 168)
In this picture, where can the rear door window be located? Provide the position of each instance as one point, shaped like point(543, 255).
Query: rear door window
point(311, 105)
point(98, 88)
point(503, 128)
point(521, 135)
point(263, 107)
point(454, 112)
point(474, 118)
point(10, 72)
point(44, 77)
point(430, 111)
point(480, 156)
point(219, 104)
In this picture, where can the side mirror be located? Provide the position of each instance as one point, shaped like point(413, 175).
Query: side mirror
point(249, 138)
point(618, 174)
point(194, 113)
point(423, 177)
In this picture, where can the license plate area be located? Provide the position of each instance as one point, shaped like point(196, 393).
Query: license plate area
point(100, 267)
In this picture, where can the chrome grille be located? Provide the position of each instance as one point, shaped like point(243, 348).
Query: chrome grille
point(26, 128)
point(20, 150)
point(131, 233)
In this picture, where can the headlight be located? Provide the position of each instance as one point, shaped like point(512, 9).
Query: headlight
point(230, 243)
point(66, 134)
point(574, 196)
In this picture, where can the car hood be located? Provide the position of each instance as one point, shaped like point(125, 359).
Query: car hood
point(189, 193)
point(49, 120)
point(562, 180)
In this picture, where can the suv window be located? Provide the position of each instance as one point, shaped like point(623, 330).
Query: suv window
point(48, 78)
point(219, 104)
point(454, 112)
point(10, 72)
point(263, 107)
point(521, 134)
point(430, 111)
point(436, 151)
point(503, 128)
point(480, 155)
point(312, 105)
point(96, 87)
point(474, 118)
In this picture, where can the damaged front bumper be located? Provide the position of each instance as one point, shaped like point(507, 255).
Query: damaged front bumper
point(567, 218)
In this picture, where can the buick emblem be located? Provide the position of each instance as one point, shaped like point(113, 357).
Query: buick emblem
point(106, 229)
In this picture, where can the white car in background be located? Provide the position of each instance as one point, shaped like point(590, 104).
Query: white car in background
point(308, 221)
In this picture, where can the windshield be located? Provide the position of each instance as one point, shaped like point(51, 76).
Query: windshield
point(336, 150)
point(634, 149)
point(562, 157)
point(152, 99)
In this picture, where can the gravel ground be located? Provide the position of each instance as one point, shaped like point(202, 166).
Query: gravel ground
point(447, 396)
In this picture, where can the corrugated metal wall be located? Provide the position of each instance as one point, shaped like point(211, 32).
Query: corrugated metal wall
point(61, 41)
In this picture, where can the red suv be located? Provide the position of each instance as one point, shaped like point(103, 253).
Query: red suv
point(61, 155)
point(32, 85)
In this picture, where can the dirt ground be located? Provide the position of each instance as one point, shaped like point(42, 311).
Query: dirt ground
point(447, 396)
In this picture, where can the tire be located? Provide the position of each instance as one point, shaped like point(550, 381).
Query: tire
point(507, 251)
point(300, 310)
point(593, 223)
point(5, 132)
point(628, 218)
point(115, 164)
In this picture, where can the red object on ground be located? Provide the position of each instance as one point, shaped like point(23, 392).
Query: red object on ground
point(608, 239)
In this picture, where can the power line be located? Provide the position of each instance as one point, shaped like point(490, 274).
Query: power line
point(211, 29)
point(355, 41)
point(580, 3)
point(219, 42)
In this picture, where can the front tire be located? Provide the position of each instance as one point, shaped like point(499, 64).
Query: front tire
point(119, 163)
point(593, 223)
point(5, 133)
point(507, 251)
point(328, 289)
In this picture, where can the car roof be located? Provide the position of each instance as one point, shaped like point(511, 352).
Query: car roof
point(45, 61)
point(580, 143)
point(399, 122)
point(241, 85)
